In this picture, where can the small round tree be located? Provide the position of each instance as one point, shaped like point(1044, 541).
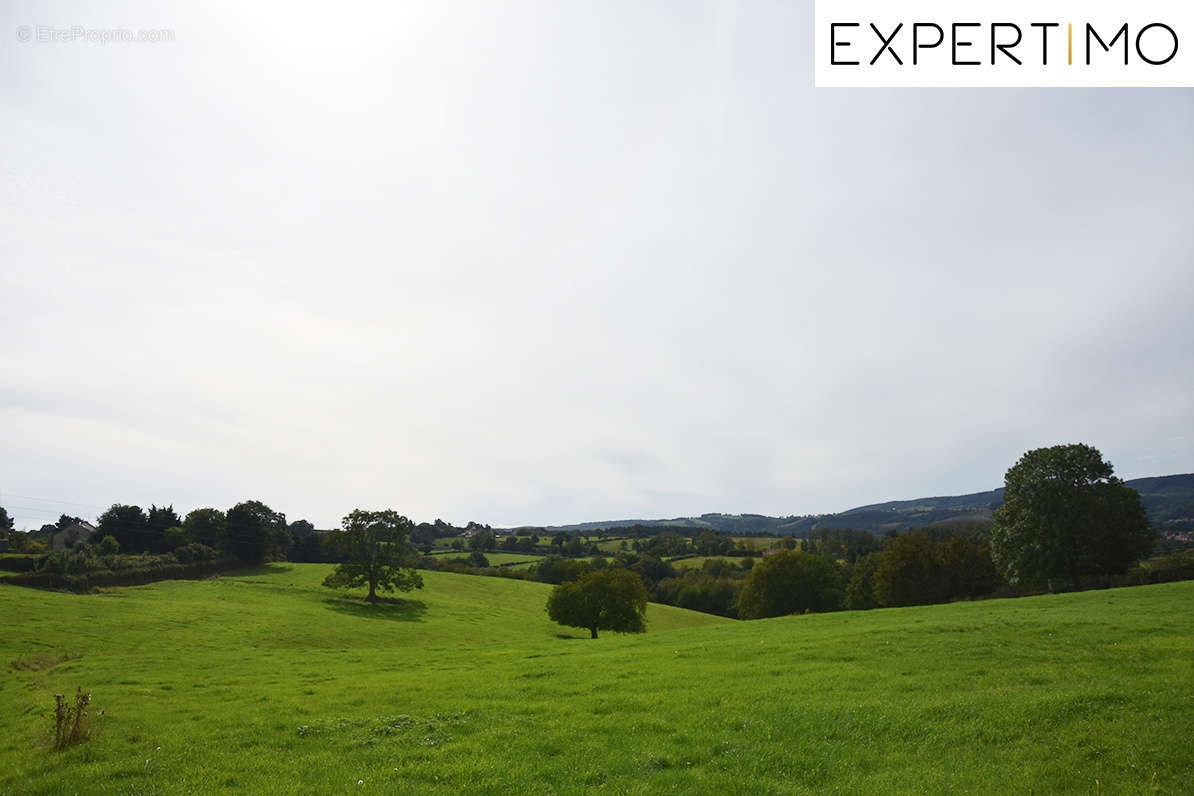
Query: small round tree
point(1065, 515)
point(608, 599)
point(376, 552)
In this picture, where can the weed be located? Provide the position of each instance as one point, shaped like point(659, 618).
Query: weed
point(69, 724)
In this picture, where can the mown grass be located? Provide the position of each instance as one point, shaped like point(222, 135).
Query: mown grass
point(266, 682)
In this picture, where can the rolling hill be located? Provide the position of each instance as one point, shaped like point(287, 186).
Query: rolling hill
point(264, 682)
point(1169, 500)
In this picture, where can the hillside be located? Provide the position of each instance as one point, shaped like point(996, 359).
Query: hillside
point(265, 682)
point(1169, 500)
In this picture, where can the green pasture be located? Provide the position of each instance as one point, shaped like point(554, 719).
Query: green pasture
point(757, 543)
point(265, 682)
point(613, 545)
point(696, 562)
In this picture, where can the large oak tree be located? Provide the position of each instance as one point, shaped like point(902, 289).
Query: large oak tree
point(377, 553)
point(608, 599)
point(1066, 515)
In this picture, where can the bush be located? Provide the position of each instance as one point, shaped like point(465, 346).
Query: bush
point(555, 569)
point(108, 546)
point(75, 561)
point(139, 571)
point(193, 553)
point(1177, 566)
point(21, 563)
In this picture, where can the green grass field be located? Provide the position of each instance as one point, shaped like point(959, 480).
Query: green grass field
point(757, 543)
point(612, 545)
point(266, 682)
point(696, 562)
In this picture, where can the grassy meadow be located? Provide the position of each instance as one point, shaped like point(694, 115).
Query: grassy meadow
point(266, 682)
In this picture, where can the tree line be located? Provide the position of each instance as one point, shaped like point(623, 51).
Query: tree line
point(1066, 521)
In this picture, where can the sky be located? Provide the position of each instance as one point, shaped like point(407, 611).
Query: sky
point(545, 262)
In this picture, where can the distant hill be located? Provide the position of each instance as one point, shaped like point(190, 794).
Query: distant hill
point(1169, 500)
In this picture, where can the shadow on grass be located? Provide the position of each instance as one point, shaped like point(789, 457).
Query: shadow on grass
point(262, 569)
point(385, 608)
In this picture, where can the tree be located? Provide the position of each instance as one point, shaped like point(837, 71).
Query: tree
point(908, 572)
point(481, 539)
point(206, 527)
point(127, 525)
point(1066, 515)
point(300, 528)
point(608, 599)
point(174, 538)
point(377, 552)
point(309, 549)
point(967, 566)
point(860, 593)
point(256, 533)
point(557, 569)
point(789, 582)
point(108, 546)
point(5, 520)
point(157, 521)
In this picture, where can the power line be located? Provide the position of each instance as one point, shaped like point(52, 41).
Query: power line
point(52, 500)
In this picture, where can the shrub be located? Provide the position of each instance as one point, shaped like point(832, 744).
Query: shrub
point(21, 563)
point(193, 553)
point(555, 569)
point(75, 561)
point(135, 571)
point(1173, 567)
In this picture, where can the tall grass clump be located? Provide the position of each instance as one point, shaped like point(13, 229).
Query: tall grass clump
point(70, 724)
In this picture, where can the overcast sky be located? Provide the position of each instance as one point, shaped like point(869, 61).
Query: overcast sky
point(565, 261)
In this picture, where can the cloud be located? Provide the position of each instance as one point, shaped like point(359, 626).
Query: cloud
point(552, 263)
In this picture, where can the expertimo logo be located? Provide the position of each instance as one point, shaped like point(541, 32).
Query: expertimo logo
point(892, 43)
